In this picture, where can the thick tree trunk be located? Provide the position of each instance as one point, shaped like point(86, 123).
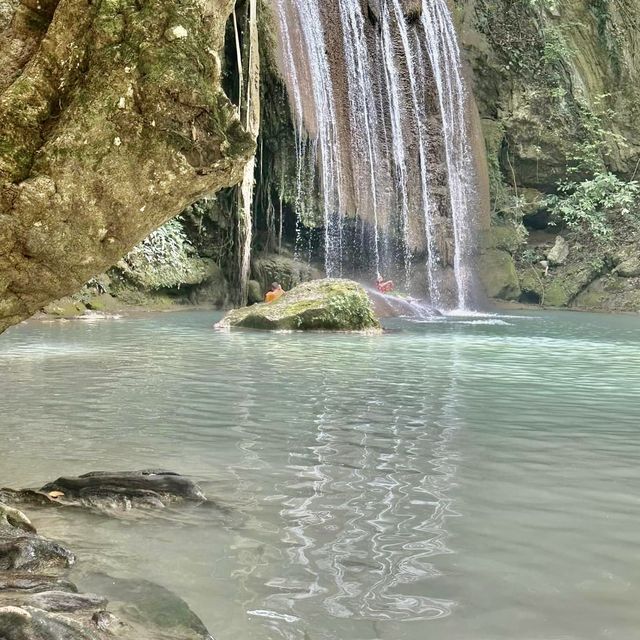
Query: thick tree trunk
point(112, 120)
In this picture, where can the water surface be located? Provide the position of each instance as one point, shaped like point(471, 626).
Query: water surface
point(462, 479)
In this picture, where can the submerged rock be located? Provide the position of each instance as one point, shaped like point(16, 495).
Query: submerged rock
point(391, 305)
point(330, 304)
point(22, 549)
point(149, 605)
point(123, 490)
point(37, 602)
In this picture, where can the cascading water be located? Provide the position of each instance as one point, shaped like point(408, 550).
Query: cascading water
point(442, 45)
point(362, 107)
point(379, 106)
point(306, 62)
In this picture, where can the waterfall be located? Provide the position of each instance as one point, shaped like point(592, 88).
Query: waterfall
point(433, 274)
point(378, 103)
point(363, 116)
point(442, 45)
point(398, 144)
point(305, 59)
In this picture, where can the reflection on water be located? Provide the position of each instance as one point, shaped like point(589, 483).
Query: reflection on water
point(464, 477)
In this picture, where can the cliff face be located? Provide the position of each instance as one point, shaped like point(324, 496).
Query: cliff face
point(558, 88)
point(112, 120)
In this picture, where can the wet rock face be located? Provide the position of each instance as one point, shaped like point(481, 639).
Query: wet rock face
point(127, 489)
point(109, 492)
point(38, 602)
point(29, 623)
point(22, 549)
point(126, 125)
point(517, 79)
point(33, 553)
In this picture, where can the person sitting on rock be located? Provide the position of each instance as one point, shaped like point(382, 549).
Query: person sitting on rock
point(384, 286)
point(275, 293)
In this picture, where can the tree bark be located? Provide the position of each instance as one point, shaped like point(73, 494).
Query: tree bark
point(112, 120)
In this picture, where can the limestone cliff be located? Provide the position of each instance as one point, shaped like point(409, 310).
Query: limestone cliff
point(112, 120)
point(558, 87)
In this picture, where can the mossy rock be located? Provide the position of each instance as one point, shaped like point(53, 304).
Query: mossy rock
point(254, 292)
point(283, 269)
point(506, 236)
point(610, 293)
point(498, 275)
point(104, 303)
point(568, 281)
point(532, 283)
point(151, 276)
point(330, 304)
point(65, 308)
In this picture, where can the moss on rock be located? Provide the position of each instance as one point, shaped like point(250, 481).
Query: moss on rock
point(498, 274)
point(110, 130)
point(610, 293)
point(65, 308)
point(569, 281)
point(330, 304)
point(283, 269)
point(532, 283)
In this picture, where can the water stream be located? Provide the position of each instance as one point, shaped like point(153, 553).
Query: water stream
point(380, 96)
point(466, 478)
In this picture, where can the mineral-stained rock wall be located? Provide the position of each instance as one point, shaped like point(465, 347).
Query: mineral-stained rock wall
point(557, 83)
point(536, 63)
point(112, 120)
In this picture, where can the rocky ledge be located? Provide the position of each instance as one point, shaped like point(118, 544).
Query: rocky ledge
point(110, 491)
point(39, 602)
point(329, 305)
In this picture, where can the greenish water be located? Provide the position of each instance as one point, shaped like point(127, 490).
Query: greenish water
point(465, 479)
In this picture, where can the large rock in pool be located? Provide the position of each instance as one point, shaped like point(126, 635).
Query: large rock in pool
point(110, 492)
point(330, 304)
point(124, 490)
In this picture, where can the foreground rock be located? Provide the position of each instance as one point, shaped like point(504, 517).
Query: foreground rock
point(38, 602)
point(112, 120)
point(108, 491)
point(22, 549)
point(330, 305)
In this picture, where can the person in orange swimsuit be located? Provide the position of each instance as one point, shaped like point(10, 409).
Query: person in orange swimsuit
point(384, 286)
point(276, 292)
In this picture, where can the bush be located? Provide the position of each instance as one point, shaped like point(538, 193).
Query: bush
point(164, 259)
point(590, 205)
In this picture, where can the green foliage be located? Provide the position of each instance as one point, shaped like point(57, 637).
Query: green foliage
point(589, 205)
point(164, 258)
point(557, 48)
point(351, 309)
point(608, 32)
point(166, 245)
point(595, 142)
point(530, 256)
point(526, 39)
